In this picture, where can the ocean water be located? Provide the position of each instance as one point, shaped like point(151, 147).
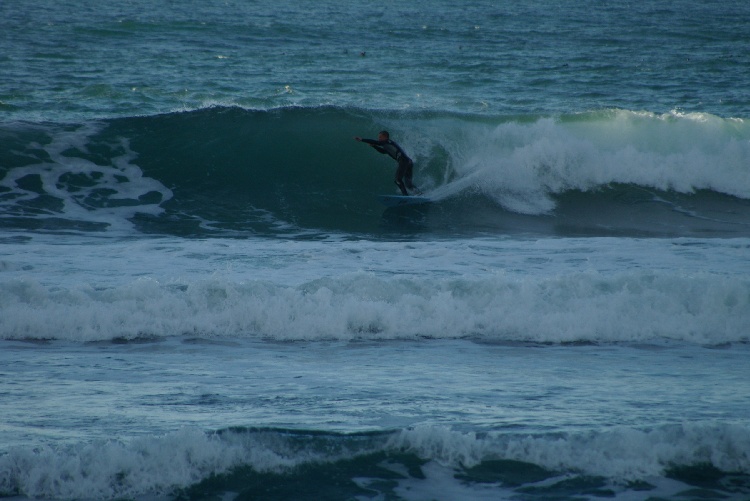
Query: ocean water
point(201, 297)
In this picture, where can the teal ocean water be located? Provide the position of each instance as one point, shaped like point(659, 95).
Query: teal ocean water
point(201, 296)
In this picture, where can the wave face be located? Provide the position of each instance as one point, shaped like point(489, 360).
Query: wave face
point(297, 171)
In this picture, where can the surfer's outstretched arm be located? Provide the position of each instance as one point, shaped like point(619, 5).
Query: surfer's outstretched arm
point(372, 142)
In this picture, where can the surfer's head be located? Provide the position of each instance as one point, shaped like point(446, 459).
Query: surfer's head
point(383, 135)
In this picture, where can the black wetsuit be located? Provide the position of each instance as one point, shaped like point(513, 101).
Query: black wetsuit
point(405, 169)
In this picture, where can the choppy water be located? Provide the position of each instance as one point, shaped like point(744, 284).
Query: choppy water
point(201, 297)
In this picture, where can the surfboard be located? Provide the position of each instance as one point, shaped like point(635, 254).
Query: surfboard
point(398, 200)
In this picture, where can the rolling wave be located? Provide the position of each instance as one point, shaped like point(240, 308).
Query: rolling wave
point(296, 170)
point(634, 307)
point(250, 463)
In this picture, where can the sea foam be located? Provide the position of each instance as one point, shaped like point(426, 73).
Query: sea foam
point(584, 306)
point(521, 164)
point(158, 465)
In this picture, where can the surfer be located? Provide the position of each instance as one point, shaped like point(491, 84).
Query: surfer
point(404, 171)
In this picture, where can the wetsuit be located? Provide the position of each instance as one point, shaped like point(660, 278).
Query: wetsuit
point(405, 169)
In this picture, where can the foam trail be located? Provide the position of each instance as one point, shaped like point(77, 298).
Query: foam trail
point(78, 188)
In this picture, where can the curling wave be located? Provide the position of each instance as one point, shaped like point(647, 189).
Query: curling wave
point(296, 170)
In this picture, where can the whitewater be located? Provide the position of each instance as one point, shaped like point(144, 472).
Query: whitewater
point(201, 296)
